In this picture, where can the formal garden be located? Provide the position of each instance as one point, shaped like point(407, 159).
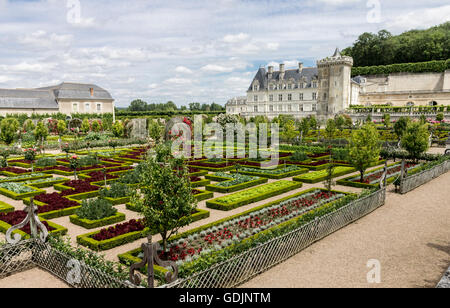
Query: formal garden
point(101, 192)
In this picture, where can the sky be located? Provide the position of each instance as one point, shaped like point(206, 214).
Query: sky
point(185, 50)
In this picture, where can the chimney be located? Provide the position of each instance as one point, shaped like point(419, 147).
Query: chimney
point(92, 92)
point(300, 67)
point(270, 72)
point(282, 71)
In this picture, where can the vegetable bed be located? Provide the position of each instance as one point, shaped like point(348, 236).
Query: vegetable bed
point(245, 197)
point(319, 176)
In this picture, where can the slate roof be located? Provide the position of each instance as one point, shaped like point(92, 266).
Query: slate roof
point(309, 73)
point(26, 99)
point(47, 97)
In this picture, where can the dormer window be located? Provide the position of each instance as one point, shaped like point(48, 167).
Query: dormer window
point(314, 84)
point(255, 87)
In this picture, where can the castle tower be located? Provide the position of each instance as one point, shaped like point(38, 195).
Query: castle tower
point(334, 84)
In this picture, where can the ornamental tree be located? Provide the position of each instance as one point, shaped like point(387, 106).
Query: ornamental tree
point(61, 129)
point(330, 129)
point(440, 117)
point(164, 196)
point(304, 127)
point(289, 132)
point(364, 148)
point(96, 126)
point(400, 126)
point(8, 130)
point(387, 120)
point(41, 132)
point(415, 140)
point(85, 126)
point(118, 129)
point(155, 131)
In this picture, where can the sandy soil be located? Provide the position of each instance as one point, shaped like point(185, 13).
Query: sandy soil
point(410, 236)
point(34, 278)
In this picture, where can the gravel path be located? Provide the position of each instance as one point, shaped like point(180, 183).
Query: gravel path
point(410, 236)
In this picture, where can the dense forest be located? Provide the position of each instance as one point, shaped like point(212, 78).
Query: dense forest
point(412, 46)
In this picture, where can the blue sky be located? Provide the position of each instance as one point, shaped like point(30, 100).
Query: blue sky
point(185, 50)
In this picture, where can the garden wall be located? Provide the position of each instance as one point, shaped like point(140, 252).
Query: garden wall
point(412, 182)
point(241, 268)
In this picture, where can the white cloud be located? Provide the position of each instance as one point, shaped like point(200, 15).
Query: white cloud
point(178, 81)
point(215, 68)
point(421, 18)
point(43, 39)
point(237, 38)
point(183, 70)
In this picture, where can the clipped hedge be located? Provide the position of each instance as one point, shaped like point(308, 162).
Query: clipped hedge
point(92, 224)
point(87, 240)
point(260, 173)
point(420, 67)
point(203, 195)
point(6, 208)
point(272, 190)
point(319, 176)
point(15, 196)
point(201, 183)
point(234, 188)
point(45, 176)
point(58, 230)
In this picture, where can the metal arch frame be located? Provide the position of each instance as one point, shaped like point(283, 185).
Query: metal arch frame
point(35, 223)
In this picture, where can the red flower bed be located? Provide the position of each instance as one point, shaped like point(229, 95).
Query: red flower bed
point(196, 192)
point(14, 218)
point(119, 229)
point(54, 202)
point(81, 186)
point(97, 176)
point(15, 170)
point(193, 170)
point(60, 168)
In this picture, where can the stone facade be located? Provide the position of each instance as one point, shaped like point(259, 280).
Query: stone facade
point(406, 89)
point(320, 91)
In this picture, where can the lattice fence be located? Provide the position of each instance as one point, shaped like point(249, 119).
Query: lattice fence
point(245, 266)
point(31, 253)
point(412, 182)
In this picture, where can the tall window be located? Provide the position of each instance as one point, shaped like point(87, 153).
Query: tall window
point(255, 98)
point(289, 108)
point(271, 97)
point(255, 108)
point(289, 97)
point(75, 107)
point(280, 97)
point(99, 107)
point(324, 96)
point(314, 96)
point(87, 107)
point(301, 96)
point(271, 108)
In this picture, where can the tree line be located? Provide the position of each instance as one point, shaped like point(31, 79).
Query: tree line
point(140, 105)
point(383, 48)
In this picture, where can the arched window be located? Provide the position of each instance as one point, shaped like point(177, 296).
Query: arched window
point(433, 103)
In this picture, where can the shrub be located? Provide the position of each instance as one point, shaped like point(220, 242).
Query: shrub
point(8, 127)
point(118, 129)
point(117, 190)
point(299, 156)
point(96, 209)
point(46, 162)
point(85, 126)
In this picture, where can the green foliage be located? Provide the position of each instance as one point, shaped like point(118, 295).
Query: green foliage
point(409, 47)
point(118, 129)
point(30, 154)
point(41, 132)
point(400, 126)
point(85, 126)
point(8, 130)
point(387, 119)
point(155, 131)
point(289, 132)
point(164, 195)
point(339, 154)
point(440, 117)
point(299, 156)
point(330, 129)
point(96, 126)
point(339, 122)
point(415, 140)
point(89, 160)
point(28, 125)
point(95, 209)
point(46, 162)
point(364, 148)
point(117, 190)
point(61, 127)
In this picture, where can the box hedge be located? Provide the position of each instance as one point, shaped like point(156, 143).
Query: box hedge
point(92, 224)
point(272, 189)
point(319, 176)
